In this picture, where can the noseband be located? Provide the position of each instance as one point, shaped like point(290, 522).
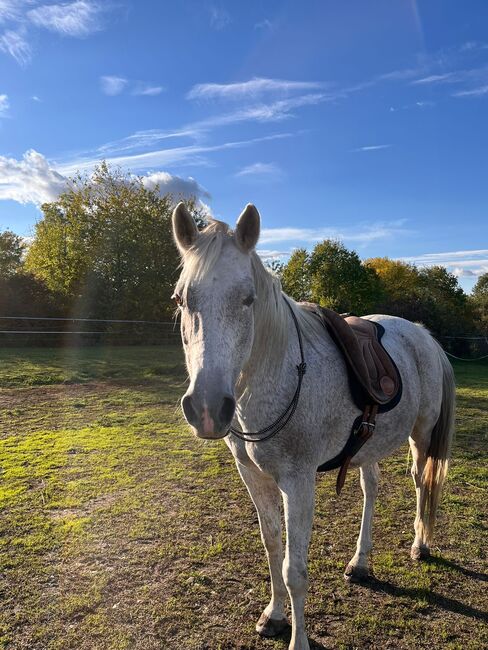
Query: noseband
point(280, 423)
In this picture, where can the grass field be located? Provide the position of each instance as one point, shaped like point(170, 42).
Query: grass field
point(119, 530)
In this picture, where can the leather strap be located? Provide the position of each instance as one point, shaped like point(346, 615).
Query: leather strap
point(361, 432)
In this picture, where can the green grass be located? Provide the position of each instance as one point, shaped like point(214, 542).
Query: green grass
point(119, 530)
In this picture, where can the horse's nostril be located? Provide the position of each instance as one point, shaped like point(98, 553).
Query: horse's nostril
point(189, 410)
point(227, 410)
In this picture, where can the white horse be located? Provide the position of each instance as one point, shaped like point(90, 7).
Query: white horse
point(242, 351)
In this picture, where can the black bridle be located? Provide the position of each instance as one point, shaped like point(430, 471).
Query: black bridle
point(280, 422)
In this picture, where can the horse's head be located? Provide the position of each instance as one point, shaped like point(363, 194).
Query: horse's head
point(215, 294)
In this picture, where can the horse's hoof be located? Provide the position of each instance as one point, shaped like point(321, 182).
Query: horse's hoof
point(270, 627)
point(357, 574)
point(420, 553)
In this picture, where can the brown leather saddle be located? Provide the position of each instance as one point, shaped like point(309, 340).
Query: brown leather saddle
point(374, 379)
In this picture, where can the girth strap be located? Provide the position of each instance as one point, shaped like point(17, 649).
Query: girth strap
point(361, 432)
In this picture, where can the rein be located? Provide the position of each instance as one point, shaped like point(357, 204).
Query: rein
point(280, 423)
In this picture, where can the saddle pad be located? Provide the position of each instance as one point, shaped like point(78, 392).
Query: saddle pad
point(374, 377)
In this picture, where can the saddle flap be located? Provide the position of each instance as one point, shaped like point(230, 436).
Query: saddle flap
point(369, 363)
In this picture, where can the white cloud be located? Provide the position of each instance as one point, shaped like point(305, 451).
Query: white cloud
point(4, 105)
point(112, 85)
point(15, 44)
point(274, 112)
point(373, 147)
point(261, 170)
point(10, 10)
point(264, 24)
point(252, 88)
point(268, 255)
point(147, 89)
point(359, 235)
point(474, 92)
point(447, 77)
point(466, 263)
point(142, 140)
point(175, 185)
point(163, 157)
point(219, 17)
point(34, 180)
point(78, 19)
point(30, 180)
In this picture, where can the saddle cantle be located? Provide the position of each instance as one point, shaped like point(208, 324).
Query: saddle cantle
point(374, 379)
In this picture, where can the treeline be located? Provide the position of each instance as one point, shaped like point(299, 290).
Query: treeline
point(104, 250)
point(336, 277)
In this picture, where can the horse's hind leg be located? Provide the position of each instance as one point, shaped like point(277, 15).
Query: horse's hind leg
point(418, 447)
point(267, 498)
point(358, 567)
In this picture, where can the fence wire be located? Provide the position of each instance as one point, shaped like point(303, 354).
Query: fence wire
point(30, 330)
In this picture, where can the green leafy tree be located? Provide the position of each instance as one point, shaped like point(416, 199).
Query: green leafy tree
point(479, 302)
point(295, 275)
point(340, 281)
point(106, 246)
point(12, 248)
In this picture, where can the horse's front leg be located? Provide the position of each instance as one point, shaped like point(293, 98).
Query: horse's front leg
point(358, 567)
point(267, 499)
point(298, 499)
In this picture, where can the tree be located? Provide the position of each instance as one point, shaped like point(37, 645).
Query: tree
point(24, 295)
point(295, 275)
point(339, 280)
point(106, 246)
point(11, 250)
point(398, 279)
point(479, 302)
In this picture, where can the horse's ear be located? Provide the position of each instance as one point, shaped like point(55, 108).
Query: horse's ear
point(185, 229)
point(247, 228)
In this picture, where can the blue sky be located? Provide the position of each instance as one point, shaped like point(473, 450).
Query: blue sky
point(361, 121)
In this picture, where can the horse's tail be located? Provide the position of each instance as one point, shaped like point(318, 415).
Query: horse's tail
point(438, 453)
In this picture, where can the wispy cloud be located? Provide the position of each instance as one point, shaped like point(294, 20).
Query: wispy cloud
point(164, 157)
point(446, 77)
point(78, 19)
point(115, 85)
point(147, 90)
point(271, 112)
point(261, 170)
point(10, 10)
point(112, 85)
point(465, 263)
point(4, 105)
point(264, 24)
point(219, 17)
point(373, 147)
point(474, 81)
point(249, 89)
point(15, 43)
point(362, 234)
point(474, 92)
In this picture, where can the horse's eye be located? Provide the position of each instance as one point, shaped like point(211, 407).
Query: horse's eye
point(248, 301)
point(177, 298)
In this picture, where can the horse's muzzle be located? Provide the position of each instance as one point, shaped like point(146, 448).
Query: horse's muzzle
point(209, 420)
